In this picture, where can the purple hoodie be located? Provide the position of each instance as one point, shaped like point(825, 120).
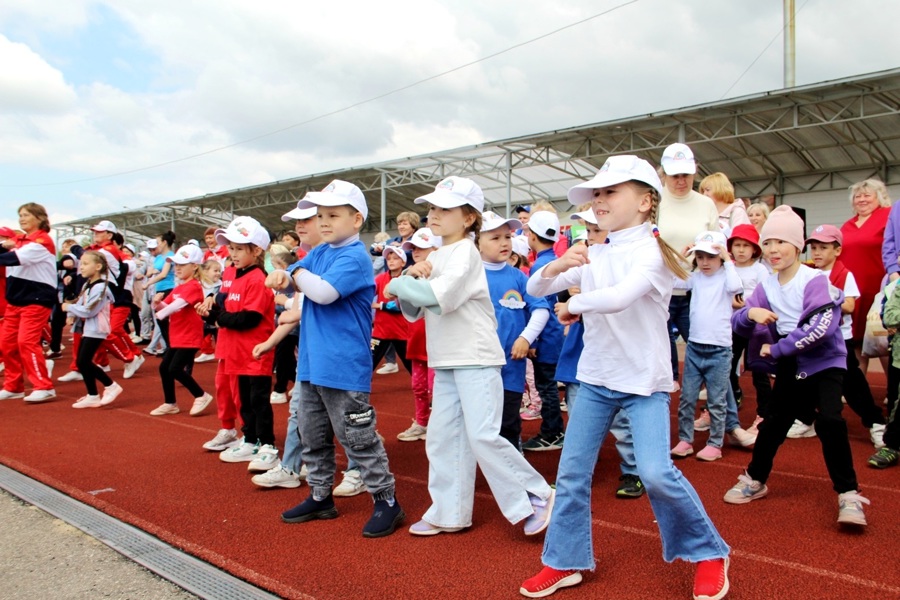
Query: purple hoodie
point(890, 248)
point(816, 342)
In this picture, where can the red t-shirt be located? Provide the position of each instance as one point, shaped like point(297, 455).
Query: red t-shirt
point(388, 325)
point(227, 279)
point(249, 292)
point(861, 253)
point(185, 325)
point(415, 344)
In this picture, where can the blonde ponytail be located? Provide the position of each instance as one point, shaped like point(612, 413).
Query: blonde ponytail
point(674, 261)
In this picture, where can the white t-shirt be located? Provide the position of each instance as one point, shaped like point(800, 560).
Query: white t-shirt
point(751, 276)
point(851, 290)
point(787, 300)
point(711, 305)
point(624, 300)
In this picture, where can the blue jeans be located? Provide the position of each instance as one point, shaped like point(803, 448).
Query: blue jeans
point(292, 445)
point(620, 429)
point(709, 364)
point(464, 431)
point(679, 318)
point(685, 529)
point(326, 413)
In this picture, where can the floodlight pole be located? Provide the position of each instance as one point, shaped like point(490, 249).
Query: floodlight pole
point(789, 45)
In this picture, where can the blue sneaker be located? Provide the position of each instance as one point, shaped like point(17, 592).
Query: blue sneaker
point(384, 520)
point(310, 510)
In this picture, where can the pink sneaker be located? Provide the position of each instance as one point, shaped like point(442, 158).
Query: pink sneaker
point(682, 449)
point(531, 414)
point(709, 454)
point(702, 424)
point(754, 429)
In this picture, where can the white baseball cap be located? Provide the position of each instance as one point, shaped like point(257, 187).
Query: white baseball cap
point(544, 224)
point(336, 193)
point(520, 245)
point(394, 250)
point(491, 221)
point(300, 214)
point(105, 226)
point(678, 159)
point(152, 243)
point(130, 248)
point(586, 215)
point(422, 238)
point(616, 170)
point(187, 254)
point(705, 242)
point(455, 191)
point(243, 230)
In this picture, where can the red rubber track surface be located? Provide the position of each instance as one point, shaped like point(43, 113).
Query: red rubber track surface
point(152, 472)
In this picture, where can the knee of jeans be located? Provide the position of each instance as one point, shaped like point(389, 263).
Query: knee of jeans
point(359, 428)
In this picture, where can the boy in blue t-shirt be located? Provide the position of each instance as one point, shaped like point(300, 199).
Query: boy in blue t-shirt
point(334, 367)
point(520, 316)
point(543, 232)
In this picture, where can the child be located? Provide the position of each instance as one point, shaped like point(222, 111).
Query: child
point(625, 289)
point(390, 328)
point(210, 281)
point(420, 245)
point(543, 233)
point(93, 307)
point(713, 285)
point(889, 454)
point(246, 319)
point(744, 247)
point(451, 292)
point(335, 366)
point(810, 360)
point(825, 249)
point(520, 316)
point(185, 333)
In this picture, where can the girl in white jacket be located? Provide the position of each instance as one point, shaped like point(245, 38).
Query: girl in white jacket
point(92, 308)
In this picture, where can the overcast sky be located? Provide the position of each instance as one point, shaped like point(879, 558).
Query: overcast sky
point(90, 88)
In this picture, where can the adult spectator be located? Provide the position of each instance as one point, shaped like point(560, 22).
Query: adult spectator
point(683, 214)
point(162, 277)
point(758, 213)
point(31, 292)
point(407, 224)
point(719, 189)
point(213, 248)
point(862, 249)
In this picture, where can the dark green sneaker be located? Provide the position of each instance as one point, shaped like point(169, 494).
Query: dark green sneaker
point(631, 487)
point(539, 443)
point(884, 458)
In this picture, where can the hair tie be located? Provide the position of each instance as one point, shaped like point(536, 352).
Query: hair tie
point(654, 230)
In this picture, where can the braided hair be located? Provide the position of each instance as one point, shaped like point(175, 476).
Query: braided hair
point(674, 261)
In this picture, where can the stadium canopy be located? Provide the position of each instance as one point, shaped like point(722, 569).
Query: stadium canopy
point(812, 138)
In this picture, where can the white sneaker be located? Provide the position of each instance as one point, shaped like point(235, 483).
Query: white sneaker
point(7, 395)
point(351, 485)
point(414, 433)
point(205, 358)
point(200, 404)
point(132, 367)
point(303, 472)
point(850, 508)
point(49, 364)
point(801, 430)
point(2, 367)
point(741, 438)
point(40, 396)
point(876, 434)
point(135, 338)
point(278, 398)
point(387, 369)
point(266, 459)
point(277, 477)
point(225, 439)
point(243, 452)
point(88, 402)
point(111, 393)
point(106, 369)
point(71, 376)
point(702, 395)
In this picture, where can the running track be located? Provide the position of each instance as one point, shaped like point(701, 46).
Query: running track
point(151, 472)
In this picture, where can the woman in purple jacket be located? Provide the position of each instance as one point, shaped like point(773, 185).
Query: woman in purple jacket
point(796, 307)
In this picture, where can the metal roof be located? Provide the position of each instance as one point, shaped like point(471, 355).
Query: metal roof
point(823, 136)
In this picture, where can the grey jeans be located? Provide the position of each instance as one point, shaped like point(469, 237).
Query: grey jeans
point(328, 412)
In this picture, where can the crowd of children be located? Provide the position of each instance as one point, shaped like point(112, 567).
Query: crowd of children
point(489, 315)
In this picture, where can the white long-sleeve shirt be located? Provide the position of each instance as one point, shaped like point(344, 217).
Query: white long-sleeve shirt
point(624, 301)
point(711, 297)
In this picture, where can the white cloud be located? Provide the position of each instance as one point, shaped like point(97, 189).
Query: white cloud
point(28, 84)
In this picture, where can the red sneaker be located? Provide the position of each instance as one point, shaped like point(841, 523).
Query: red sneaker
point(548, 581)
point(711, 580)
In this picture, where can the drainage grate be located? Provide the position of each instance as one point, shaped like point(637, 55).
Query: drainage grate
point(192, 574)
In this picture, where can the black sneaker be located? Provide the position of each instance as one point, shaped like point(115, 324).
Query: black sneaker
point(631, 487)
point(311, 509)
point(539, 443)
point(384, 520)
point(738, 397)
point(884, 458)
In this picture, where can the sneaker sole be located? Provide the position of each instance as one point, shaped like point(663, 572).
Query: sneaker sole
point(196, 410)
point(747, 499)
point(854, 520)
point(401, 516)
point(235, 460)
point(567, 581)
point(220, 447)
point(414, 438)
point(628, 495)
point(328, 513)
point(337, 494)
point(542, 448)
point(724, 591)
point(678, 455)
point(40, 400)
point(281, 484)
point(878, 465)
point(435, 531)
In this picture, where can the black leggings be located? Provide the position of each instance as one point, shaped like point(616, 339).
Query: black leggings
point(285, 363)
point(380, 347)
point(176, 365)
point(87, 348)
point(256, 409)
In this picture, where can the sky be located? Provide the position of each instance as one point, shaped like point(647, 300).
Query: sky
point(106, 106)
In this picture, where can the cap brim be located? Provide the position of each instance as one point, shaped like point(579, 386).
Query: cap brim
point(496, 224)
point(300, 214)
point(680, 169)
point(706, 247)
point(584, 192)
point(442, 199)
point(587, 215)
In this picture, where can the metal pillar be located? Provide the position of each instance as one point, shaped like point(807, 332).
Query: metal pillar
point(508, 184)
point(789, 43)
point(383, 201)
